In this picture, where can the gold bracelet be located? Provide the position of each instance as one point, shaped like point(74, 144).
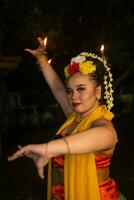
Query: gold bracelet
point(68, 148)
point(41, 66)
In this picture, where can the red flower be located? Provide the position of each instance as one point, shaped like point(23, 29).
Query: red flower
point(73, 68)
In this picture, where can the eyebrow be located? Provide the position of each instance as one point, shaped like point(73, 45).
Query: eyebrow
point(78, 85)
point(82, 84)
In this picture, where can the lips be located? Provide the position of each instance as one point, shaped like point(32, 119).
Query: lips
point(76, 104)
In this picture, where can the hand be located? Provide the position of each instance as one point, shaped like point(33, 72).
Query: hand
point(37, 152)
point(39, 52)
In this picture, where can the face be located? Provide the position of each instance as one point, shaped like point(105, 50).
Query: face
point(83, 94)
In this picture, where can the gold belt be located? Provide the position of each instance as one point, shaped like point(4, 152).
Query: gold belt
point(103, 175)
point(58, 175)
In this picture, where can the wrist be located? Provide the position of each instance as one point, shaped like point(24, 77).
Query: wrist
point(41, 56)
point(42, 66)
point(42, 62)
point(50, 150)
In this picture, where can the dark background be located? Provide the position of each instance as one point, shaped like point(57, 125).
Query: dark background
point(29, 112)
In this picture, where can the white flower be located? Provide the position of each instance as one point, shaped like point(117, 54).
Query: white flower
point(78, 59)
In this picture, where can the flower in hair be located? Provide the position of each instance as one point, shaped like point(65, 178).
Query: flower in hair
point(79, 64)
point(78, 59)
point(66, 72)
point(87, 67)
point(82, 64)
point(73, 68)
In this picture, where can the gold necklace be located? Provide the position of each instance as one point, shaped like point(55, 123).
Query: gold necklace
point(78, 119)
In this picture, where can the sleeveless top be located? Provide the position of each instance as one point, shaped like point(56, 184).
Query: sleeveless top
point(107, 186)
point(77, 175)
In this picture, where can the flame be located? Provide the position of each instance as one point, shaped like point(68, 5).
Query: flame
point(102, 48)
point(45, 41)
point(49, 61)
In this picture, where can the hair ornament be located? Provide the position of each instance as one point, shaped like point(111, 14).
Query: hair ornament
point(79, 64)
point(108, 78)
point(83, 65)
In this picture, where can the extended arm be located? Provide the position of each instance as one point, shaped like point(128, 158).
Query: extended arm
point(56, 85)
point(95, 139)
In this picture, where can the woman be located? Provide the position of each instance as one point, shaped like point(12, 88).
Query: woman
point(79, 156)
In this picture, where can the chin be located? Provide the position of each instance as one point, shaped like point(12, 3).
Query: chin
point(78, 111)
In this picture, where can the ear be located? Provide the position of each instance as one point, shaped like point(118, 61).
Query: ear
point(98, 92)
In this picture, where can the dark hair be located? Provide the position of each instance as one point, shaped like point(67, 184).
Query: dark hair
point(98, 76)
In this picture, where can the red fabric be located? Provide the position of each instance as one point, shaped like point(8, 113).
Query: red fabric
point(58, 192)
point(102, 161)
point(108, 189)
point(58, 162)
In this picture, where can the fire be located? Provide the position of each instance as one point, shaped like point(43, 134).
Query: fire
point(49, 61)
point(102, 48)
point(45, 41)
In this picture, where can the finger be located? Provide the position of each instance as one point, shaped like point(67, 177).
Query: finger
point(15, 156)
point(41, 41)
point(41, 172)
point(29, 50)
point(19, 153)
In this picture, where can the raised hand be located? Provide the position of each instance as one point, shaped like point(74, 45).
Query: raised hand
point(40, 51)
point(37, 152)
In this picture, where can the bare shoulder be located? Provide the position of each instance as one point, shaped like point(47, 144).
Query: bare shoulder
point(111, 133)
point(103, 122)
point(107, 124)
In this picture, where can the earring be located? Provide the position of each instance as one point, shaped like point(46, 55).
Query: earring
point(98, 98)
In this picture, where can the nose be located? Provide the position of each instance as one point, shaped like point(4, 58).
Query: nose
point(74, 95)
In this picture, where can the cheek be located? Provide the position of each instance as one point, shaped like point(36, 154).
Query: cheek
point(68, 98)
point(89, 95)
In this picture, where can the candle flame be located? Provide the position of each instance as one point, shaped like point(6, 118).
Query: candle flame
point(102, 48)
point(45, 41)
point(49, 61)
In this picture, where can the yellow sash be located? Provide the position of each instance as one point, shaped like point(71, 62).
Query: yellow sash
point(80, 177)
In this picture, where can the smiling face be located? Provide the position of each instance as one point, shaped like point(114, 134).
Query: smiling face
point(83, 94)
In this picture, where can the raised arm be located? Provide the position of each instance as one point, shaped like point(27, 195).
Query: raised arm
point(56, 85)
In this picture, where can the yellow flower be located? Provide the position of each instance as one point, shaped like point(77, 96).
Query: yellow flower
point(66, 72)
point(87, 67)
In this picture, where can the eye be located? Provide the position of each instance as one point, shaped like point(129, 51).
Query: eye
point(80, 89)
point(69, 91)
